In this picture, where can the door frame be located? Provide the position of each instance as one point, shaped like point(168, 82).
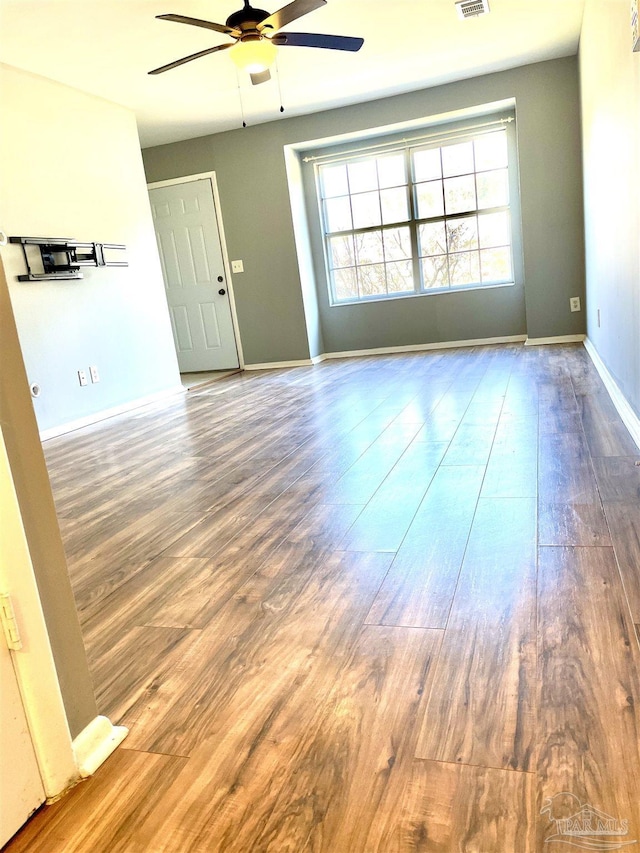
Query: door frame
point(211, 177)
point(33, 664)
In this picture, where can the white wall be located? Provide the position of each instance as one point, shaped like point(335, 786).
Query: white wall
point(610, 95)
point(71, 167)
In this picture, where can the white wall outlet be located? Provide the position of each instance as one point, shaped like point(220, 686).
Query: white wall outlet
point(93, 372)
point(574, 303)
point(82, 377)
point(237, 266)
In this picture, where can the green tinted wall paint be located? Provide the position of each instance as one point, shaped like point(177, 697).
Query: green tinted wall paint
point(256, 208)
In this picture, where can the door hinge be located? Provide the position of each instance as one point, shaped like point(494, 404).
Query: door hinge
point(9, 624)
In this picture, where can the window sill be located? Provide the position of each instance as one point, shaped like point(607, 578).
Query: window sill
point(434, 292)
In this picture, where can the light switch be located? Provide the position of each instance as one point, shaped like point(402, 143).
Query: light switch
point(237, 266)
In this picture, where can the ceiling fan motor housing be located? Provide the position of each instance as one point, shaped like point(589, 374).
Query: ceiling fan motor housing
point(246, 19)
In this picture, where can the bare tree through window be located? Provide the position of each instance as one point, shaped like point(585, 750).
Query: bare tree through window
point(426, 218)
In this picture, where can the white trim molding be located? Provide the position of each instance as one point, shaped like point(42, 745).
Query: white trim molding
point(95, 418)
point(184, 179)
point(62, 763)
point(624, 409)
point(95, 743)
point(358, 353)
point(33, 663)
point(559, 339)
point(478, 342)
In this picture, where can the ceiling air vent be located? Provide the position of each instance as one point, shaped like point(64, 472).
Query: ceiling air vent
point(472, 8)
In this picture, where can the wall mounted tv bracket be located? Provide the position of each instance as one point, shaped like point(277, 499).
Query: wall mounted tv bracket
point(62, 258)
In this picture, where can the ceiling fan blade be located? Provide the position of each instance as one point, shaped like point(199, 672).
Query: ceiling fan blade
point(198, 22)
point(184, 59)
point(290, 13)
point(318, 40)
point(260, 77)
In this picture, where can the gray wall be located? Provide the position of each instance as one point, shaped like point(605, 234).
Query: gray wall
point(256, 208)
point(455, 316)
point(610, 91)
point(76, 171)
point(33, 491)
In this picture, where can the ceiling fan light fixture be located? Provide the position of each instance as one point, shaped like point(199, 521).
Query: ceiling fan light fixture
point(254, 54)
point(257, 38)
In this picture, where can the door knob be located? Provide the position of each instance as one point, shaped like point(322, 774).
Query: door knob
point(222, 291)
point(220, 279)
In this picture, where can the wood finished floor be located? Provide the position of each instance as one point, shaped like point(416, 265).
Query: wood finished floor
point(379, 605)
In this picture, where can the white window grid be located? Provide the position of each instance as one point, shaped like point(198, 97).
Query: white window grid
point(413, 222)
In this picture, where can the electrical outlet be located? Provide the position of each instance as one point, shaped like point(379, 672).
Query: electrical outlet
point(93, 372)
point(237, 266)
point(82, 377)
point(574, 303)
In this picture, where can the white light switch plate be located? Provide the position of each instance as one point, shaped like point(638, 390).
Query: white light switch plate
point(237, 266)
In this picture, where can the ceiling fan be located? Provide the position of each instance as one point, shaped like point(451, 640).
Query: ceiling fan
point(255, 37)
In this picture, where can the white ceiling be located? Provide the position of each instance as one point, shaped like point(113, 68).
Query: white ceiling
point(106, 47)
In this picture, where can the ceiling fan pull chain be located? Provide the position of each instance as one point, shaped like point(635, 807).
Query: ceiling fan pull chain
point(279, 86)
point(244, 124)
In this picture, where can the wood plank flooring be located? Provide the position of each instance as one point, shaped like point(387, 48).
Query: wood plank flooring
point(380, 605)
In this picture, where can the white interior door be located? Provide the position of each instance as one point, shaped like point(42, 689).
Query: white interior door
point(190, 249)
point(21, 790)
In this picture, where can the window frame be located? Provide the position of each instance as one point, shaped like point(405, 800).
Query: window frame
point(414, 222)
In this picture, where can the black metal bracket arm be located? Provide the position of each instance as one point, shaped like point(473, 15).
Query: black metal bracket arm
point(62, 258)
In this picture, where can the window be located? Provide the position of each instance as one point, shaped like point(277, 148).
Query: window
point(424, 219)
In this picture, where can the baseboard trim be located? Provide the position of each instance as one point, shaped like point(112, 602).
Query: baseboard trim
point(629, 417)
point(358, 353)
point(276, 365)
point(95, 743)
point(103, 415)
point(477, 342)
point(559, 339)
